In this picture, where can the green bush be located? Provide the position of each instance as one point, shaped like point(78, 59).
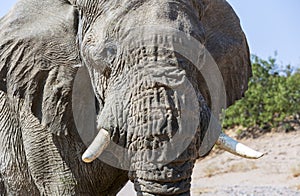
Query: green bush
point(270, 98)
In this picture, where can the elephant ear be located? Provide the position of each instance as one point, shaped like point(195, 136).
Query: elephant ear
point(227, 44)
point(38, 51)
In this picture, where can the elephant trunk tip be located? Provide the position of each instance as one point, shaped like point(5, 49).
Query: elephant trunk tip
point(227, 143)
point(99, 144)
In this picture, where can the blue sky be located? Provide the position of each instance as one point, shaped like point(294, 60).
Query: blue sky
point(270, 25)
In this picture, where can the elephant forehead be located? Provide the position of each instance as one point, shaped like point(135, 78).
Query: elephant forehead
point(180, 16)
point(117, 17)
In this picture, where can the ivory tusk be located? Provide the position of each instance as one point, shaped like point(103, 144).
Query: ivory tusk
point(97, 147)
point(227, 143)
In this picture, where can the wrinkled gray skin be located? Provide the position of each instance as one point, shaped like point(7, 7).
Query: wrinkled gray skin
point(41, 41)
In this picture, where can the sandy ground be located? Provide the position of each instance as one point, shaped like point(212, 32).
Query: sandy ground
point(277, 173)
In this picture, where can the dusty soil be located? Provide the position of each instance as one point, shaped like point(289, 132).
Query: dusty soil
point(277, 173)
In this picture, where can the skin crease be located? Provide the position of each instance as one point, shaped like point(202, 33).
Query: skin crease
point(41, 41)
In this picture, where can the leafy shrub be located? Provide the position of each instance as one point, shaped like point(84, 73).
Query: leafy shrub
point(270, 98)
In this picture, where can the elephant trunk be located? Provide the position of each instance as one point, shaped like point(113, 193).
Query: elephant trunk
point(160, 165)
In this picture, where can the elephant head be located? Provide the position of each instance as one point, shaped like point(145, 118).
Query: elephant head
point(160, 71)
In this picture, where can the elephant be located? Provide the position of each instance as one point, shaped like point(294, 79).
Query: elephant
point(158, 72)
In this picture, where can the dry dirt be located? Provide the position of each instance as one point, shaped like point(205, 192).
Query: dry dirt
point(277, 173)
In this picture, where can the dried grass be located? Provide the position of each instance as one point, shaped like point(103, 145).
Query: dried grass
point(234, 167)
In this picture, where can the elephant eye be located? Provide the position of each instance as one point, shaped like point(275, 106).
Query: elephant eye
point(109, 52)
point(98, 55)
